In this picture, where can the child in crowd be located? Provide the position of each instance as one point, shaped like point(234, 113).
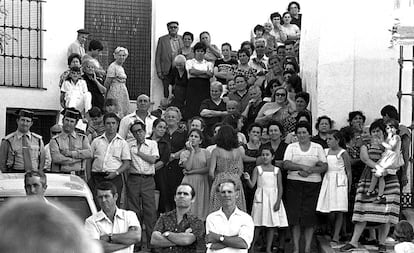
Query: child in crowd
point(333, 196)
point(159, 112)
point(404, 234)
point(258, 33)
point(111, 105)
point(268, 210)
point(74, 92)
point(95, 125)
point(390, 160)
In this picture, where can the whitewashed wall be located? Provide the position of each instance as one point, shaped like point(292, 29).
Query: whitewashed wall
point(346, 61)
point(61, 19)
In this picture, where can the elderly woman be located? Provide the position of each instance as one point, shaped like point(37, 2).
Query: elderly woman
point(275, 110)
point(323, 125)
point(115, 82)
point(253, 107)
point(177, 137)
point(199, 71)
point(187, 50)
point(95, 87)
point(244, 68)
point(213, 109)
point(304, 161)
point(74, 60)
point(366, 212)
point(179, 81)
point(159, 129)
point(212, 51)
point(292, 31)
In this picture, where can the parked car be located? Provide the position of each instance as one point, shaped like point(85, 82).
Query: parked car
point(68, 190)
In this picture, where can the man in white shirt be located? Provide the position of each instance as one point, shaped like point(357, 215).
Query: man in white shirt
point(116, 229)
point(140, 183)
point(142, 114)
point(78, 46)
point(229, 229)
point(110, 156)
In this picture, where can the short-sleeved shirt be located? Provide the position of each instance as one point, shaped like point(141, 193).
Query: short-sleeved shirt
point(239, 224)
point(127, 121)
point(99, 224)
point(117, 71)
point(314, 154)
point(210, 105)
point(11, 151)
point(202, 66)
point(168, 222)
point(80, 87)
point(81, 150)
point(108, 156)
point(225, 66)
point(139, 165)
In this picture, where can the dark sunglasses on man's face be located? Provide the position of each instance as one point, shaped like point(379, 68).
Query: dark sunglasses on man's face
point(55, 133)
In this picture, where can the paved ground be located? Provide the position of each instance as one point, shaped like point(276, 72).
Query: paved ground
point(325, 247)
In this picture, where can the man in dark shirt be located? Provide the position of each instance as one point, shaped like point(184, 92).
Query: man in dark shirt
point(213, 109)
point(179, 230)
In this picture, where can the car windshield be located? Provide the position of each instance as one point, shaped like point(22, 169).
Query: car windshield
point(78, 205)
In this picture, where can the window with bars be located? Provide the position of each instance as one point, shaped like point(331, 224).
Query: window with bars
point(21, 34)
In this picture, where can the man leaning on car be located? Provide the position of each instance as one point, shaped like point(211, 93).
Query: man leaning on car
point(22, 150)
point(116, 229)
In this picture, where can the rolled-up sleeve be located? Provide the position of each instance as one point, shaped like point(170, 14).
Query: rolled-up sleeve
point(247, 231)
point(92, 229)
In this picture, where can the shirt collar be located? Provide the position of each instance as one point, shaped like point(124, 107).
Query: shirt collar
point(66, 135)
point(103, 136)
point(101, 215)
point(236, 211)
point(20, 134)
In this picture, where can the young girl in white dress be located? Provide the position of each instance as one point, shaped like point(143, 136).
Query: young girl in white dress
point(390, 160)
point(333, 196)
point(268, 209)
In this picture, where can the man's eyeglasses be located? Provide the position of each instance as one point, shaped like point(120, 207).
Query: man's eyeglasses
point(173, 27)
point(55, 133)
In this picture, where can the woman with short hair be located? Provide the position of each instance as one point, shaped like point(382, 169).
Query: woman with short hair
point(115, 81)
point(199, 72)
point(304, 161)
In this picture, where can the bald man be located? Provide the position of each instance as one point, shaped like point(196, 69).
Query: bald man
point(142, 114)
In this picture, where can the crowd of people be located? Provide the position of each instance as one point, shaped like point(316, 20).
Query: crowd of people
point(231, 147)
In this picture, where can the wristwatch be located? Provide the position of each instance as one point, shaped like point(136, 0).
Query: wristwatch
point(117, 173)
point(221, 238)
point(166, 234)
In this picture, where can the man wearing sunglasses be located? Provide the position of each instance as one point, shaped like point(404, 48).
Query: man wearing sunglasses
point(168, 47)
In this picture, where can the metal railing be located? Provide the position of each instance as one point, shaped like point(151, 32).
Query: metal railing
point(21, 61)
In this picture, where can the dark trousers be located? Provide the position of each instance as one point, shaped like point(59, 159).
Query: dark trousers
point(98, 177)
point(141, 200)
point(166, 83)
